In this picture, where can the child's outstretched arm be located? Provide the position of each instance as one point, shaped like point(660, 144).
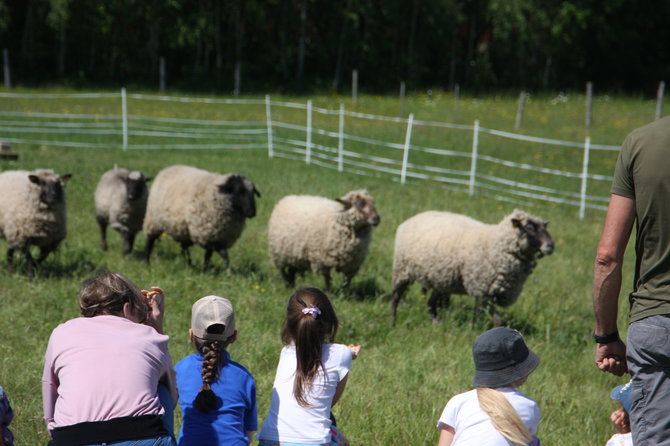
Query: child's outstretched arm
point(446, 435)
point(156, 300)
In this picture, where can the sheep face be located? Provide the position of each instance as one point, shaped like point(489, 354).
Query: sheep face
point(136, 185)
point(51, 187)
point(363, 206)
point(242, 192)
point(533, 236)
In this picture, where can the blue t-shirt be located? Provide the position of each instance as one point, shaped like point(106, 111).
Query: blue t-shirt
point(236, 414)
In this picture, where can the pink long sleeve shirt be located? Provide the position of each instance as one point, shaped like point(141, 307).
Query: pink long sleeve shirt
point(100, 368)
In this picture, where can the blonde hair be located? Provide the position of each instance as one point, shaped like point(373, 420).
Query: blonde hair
point(503, 416)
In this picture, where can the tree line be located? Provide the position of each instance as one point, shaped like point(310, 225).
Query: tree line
point(314, 45)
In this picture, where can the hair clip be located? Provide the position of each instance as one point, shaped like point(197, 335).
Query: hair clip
point(312, 310)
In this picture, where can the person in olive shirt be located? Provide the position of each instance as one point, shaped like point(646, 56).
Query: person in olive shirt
point(640, 193)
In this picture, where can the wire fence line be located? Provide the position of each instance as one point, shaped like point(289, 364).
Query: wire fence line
point(294, 135)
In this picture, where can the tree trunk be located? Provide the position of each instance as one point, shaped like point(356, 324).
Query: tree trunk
point(340, 49)
point(301, 44)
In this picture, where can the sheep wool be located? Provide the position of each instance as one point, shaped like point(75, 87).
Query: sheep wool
point(451, 253)
point(120, 201)
point(195, 206)
point(32, 212)
point(314, 233)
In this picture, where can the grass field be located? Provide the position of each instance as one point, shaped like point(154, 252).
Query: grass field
point(404, 375)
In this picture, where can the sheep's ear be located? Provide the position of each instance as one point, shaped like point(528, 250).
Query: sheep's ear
point(345, 203)
point(147, 179)
point(258, 194)
point(34, 179)
point(546, 223)
point(516, 223)
point(66, 177)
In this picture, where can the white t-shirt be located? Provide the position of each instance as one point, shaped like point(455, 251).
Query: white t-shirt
point(621, 440)
point(472, 424)
point(287, 420)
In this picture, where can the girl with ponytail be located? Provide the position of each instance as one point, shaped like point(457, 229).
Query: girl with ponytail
point(217, 395)
point(496, 412)
point(311, 375)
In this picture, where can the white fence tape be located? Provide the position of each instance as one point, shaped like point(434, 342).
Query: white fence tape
point(293, 140)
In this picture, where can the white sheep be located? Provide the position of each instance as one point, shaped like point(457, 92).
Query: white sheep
point(309, 232)
point(451, 253)
point(32, 213)
point(120, 201)
point(194, 206)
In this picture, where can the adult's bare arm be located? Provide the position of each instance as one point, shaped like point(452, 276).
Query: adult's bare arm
point(611, 357)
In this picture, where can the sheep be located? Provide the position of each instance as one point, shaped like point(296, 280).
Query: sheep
point(32, 213)
point(451, 253)
point(310, 232)
point(195, 206)
point(120, 201)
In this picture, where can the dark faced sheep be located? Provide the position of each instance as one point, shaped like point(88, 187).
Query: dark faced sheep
point(120, 201)
point(315, 233)
point(451, 253)
point(32, 213)
point(194, 206)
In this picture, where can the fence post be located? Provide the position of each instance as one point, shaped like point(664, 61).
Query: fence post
point(519, 111)
point(405, 155)
point(124, 118)
point(473, 162)
point(268, 119)
point(7, 70)
point(585, 172)
point(659, 99)
point(589, 103)
point(340, 141)
point(354, 86)
point(457, 96)
point(161, 74)
point(308, 144)
point(402, 99)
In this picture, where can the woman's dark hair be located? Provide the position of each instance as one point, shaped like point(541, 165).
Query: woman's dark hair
point(308, 330)
point(212, 361)
point(107, 292)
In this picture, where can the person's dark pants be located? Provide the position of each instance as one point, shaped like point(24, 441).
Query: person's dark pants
point(648, 356)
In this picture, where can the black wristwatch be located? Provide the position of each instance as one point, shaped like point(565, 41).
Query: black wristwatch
point(606, 338)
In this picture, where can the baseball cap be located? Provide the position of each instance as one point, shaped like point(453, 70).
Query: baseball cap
point(212, 310)
point(623, 393)
point(501, 358)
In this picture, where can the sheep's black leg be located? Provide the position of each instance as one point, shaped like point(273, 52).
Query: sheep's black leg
point(128, 240)
point(495, 317)
point(208, 257)
point(398, 291)
point(103, 232)
point(31, 263)
point(151, 239)
point(437, 299)
point(223, 252)
point(187, 254)
point(326, 279)
point(10, 259)
point(288, 274)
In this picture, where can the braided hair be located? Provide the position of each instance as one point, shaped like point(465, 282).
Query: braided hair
point(212, 361)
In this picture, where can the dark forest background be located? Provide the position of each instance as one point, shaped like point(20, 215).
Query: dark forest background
point(313, 45)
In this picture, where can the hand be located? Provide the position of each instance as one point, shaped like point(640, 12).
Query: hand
point(156, 300)
point(355, 349)
point(611, 357)
point(621, 421)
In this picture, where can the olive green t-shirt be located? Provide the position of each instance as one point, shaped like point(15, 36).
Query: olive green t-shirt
point(643, 173)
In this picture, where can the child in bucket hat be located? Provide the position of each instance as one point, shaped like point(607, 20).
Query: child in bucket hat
point(217, 395)
point(496, 412)
point(619, 417)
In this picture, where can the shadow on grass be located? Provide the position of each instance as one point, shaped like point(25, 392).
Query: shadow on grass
point(361, 290)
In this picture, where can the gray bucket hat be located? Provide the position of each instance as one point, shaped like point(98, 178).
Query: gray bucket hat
point(501, 358)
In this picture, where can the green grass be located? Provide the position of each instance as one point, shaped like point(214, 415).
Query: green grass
point(404, 375)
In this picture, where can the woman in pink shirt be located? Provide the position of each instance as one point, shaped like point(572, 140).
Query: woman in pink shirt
point(102, 370)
